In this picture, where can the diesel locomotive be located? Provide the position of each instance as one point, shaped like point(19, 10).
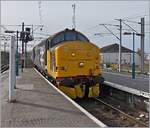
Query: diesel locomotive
point(71, 62)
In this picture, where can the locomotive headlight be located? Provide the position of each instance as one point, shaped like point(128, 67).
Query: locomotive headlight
point(73, 54)
point(81, 64)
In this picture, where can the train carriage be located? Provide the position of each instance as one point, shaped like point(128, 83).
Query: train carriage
point(73, 63)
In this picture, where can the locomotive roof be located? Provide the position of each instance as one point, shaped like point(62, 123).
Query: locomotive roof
point(66, 30)
point(66, 35)
point(61, 37)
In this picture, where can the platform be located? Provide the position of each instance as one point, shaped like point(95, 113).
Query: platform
point(140, 84)
point(40, 105)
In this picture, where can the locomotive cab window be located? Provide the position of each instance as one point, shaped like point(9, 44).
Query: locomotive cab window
point(70, 35)
point(81, 37)
point(67, 35)
point(58, 38)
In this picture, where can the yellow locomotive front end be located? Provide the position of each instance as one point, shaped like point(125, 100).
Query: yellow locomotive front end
point(75, 67)
point(77, 58)
point(71, 62)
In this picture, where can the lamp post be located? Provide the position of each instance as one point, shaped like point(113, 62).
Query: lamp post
point(133, 54)
point(133, 58)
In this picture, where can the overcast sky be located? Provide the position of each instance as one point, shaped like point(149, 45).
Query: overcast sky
point(57, 16)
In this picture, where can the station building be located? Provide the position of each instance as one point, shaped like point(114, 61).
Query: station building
point(110, 53)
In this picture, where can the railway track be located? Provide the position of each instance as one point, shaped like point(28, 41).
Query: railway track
point(121, 112)
point(111, 115)
point(4, 68)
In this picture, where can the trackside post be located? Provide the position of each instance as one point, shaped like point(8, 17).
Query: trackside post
point(12, 72)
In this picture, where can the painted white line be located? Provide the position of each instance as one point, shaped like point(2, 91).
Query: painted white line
point(129, 76)
point(74, 103)
point(127, 89)
point(118, 74)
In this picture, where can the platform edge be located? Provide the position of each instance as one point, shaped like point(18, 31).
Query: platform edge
point(99, 123)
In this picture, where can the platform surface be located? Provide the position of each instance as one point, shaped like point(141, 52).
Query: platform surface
point(139, 83)
point(39, 104)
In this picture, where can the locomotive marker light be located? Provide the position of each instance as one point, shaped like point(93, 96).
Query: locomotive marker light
point(73, 54)
point(81, 64)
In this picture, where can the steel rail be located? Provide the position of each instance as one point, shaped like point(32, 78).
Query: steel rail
point(131, 117)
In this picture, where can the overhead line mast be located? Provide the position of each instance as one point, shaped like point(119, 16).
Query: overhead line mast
point(119, 38)
point(142, 34)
